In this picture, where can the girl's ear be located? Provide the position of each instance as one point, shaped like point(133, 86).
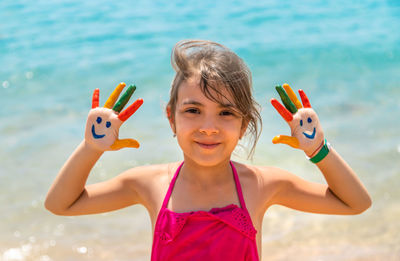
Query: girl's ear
point(170, 118)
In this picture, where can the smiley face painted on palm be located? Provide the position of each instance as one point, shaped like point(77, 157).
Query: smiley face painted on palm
point(307, 125)
point(306, 128)
point(99, 120)
point(102, 127)
point(308, 134)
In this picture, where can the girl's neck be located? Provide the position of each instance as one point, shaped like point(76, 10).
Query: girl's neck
point(206, 176)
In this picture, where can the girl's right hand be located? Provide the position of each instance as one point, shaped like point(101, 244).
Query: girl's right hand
point(103, 123)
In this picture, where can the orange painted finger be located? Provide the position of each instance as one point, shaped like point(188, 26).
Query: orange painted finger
point(286, 115)
point(114, 95)
point(292, 96)
point(125, 143)
point(95, 98)
point(304, 99)
point(125, 114)
point(288, 140)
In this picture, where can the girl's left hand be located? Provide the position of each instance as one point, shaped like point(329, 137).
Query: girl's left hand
point(306, 131)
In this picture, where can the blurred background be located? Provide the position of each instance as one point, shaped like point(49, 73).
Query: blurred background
point(344, 54)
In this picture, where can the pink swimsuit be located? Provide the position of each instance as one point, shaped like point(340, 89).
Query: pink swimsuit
point(220, 234)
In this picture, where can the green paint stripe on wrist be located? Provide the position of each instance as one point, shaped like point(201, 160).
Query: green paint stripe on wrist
point(124, 98)
point(323, 152)
point(285, 99)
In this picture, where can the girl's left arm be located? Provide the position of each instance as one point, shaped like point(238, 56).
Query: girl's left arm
point(344, 192)
point(344, 183)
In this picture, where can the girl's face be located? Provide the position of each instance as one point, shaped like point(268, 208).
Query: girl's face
point(207, 131)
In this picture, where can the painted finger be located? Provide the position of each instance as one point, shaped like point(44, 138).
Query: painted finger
point(304, 99)
point(125, 114)
point(124, 98)
point(285, 99)
point(286, 115)
point(125, 143)
point(288, 140)
point(95, 98)
point(292, 96)
point(114, 95)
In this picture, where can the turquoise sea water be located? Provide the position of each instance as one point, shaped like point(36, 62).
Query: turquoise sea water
point(345, 55)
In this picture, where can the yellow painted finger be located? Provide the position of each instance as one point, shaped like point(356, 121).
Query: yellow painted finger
point(114, 96)
point(292, 96)
point(125, 143)
point(291, 141)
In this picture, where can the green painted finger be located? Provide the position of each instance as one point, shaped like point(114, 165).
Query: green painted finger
point(286, 100)
point(124, 98)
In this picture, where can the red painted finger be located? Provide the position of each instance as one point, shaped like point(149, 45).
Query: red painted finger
point(304, 99)
point(125, 114)
point(95, 98)
point(286, 115)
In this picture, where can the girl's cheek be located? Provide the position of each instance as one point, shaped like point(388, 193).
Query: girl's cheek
point(185, 123)
point(188, 115)
point(233, 122)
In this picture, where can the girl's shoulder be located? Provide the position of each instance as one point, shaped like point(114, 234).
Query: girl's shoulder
point(150, 182)
point(259, 184)
point(150, 177)
point(151, 171)
point(263, 181)
point(259, 173)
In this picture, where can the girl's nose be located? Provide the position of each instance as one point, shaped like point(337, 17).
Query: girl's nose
point(208, 128)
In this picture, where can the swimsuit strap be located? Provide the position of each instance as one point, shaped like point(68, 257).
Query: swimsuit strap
point(238, 187)
point(171, 186)
point(235, 176)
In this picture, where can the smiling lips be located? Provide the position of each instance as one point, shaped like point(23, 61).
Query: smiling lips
point(208, 145)
point(309, 135)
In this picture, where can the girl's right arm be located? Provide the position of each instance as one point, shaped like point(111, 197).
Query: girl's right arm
point(68, 194)
point(70, 181)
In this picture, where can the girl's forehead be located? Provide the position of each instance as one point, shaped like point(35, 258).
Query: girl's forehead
point(191, 90)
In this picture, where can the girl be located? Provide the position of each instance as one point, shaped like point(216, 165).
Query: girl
point(207, 207)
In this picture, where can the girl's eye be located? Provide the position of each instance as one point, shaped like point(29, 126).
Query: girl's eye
point(301, 122)
point(226, 113)
point(192, 110)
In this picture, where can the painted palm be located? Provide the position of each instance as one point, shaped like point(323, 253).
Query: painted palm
point(103, 123)
point(306, 131)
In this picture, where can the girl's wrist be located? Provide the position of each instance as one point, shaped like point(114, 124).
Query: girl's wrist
point(320, 153)
point(90, 148)
point(314, 152)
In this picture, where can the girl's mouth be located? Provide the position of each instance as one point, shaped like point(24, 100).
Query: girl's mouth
point(309, 135)
point(207, 145)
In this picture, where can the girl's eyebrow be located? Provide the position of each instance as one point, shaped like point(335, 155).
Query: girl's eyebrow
point(193, 102)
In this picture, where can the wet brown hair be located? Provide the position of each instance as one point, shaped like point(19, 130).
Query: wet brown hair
point(217, 67)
